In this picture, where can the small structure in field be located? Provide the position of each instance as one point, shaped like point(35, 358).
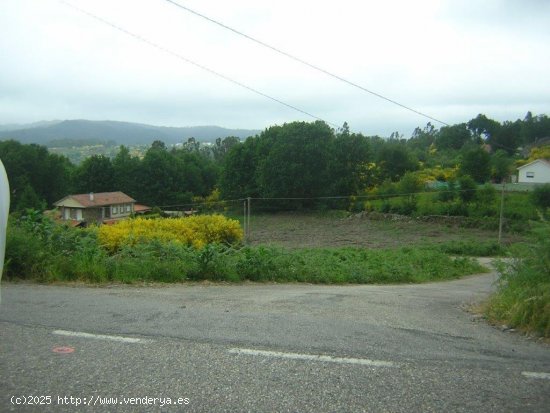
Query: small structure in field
point(100, 208)
point(536, 172)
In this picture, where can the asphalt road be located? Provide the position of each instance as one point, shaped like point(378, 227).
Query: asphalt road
point(264, 348)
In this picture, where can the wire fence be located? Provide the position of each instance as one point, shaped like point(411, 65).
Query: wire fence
point(376, 221)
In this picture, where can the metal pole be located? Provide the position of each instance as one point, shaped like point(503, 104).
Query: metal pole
point(244, 221)
point(248, 223)
point(500, 222)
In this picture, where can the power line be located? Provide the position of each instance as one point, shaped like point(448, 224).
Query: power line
point(200, 66)
point(323, 198)
point(302, 61)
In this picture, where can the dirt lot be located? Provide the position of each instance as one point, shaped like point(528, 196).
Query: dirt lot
point(317, 230)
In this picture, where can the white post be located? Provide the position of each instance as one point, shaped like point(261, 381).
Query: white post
point(4, 211)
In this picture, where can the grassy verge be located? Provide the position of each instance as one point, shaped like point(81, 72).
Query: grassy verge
point(523, 297)
point(350, 265)
point(47, 253)
point(472, 248)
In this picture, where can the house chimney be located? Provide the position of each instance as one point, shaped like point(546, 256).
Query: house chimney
point(91, 196)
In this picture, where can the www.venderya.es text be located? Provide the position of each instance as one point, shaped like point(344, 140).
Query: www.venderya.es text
point(95, 400)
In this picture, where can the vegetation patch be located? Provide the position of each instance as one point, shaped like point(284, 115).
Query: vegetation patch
point(523, 297)
point(351, 265)
point(196, 231)
point(473, 248)
point(62, 253)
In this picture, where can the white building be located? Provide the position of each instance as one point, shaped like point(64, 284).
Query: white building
point(536, 172)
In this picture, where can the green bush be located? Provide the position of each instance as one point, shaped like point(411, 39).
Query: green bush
point(473, 248)
point(152, 261)
point(523, 296)
point(26, 255)
point(468, 188)
point(541, 196)
point(350, 265)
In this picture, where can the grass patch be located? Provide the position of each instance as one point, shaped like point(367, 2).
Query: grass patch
point(523, 297)
point(176, 263)
point(473, 248)
point(351, 265)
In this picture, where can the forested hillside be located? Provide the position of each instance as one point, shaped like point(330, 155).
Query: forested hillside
point(294, 160)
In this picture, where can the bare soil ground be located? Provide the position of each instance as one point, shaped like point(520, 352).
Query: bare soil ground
point(296, 230)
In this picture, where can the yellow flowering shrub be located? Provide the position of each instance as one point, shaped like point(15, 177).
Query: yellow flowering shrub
point(437, 174)
point(196, 231)
point(539, 152)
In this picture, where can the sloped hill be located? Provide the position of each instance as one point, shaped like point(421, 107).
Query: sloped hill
point(124, 133)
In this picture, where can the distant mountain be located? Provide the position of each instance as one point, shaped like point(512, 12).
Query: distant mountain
point(123, 133)
point(18, 126)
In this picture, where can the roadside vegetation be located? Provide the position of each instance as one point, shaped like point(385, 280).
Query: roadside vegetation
point(41, 250)
point(523, 297)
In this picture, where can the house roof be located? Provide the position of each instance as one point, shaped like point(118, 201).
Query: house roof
point(543, 161)
point(95, 199)
point(141, 208)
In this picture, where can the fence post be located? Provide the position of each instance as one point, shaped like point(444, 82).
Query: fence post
point(500, 222)
point(244, 221)
point(248, 218)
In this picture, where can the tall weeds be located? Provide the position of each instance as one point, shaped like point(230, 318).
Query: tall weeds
point(523, 296)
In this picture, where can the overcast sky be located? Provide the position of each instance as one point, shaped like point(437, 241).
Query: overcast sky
point(448, 59)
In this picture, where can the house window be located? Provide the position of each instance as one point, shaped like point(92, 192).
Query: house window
point(128, 208)
point(530, 175)
point(115, 209)
point(73, 213)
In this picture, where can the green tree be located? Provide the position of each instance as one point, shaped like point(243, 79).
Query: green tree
point(349, 156)
point(95, 174)
point(534, 128)
point(239, 170)
point(29, 200)
point(199, 173)
point(482, 126)
point(222, 147)
point(453, 137)
point(501, 165)
point(422, 140)
point(162, 178)
point(160, 145)
point(507, 137)
point(394, 159)
point(476, 163)
point(408, 186)
point(48, 175)
point(126, 173)
point(297, 162)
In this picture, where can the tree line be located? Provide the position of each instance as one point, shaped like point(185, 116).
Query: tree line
point(162, 177)
point(298, 159)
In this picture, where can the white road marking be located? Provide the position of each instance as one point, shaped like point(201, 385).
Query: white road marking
point(312, 357)
point(536, 375)
point(97, 336)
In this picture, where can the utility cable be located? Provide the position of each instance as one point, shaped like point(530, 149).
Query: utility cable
point(324, 198)
point(302, 61)
point(200, 66)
